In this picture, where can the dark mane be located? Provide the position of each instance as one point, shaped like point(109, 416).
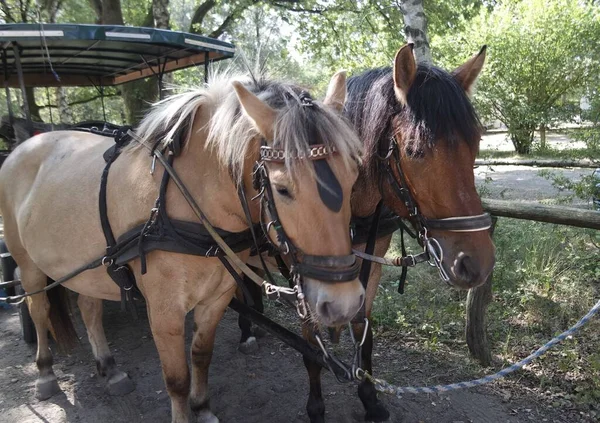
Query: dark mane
point(438, 110)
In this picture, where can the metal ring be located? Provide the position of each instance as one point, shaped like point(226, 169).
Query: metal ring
point(364, 337)
point(106, 262)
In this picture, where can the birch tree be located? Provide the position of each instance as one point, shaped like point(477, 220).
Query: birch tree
point(415, 29)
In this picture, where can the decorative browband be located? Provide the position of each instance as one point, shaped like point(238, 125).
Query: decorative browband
point(316, 152)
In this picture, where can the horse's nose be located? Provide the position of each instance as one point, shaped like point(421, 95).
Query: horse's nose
point(334, 311)
point(467, 269)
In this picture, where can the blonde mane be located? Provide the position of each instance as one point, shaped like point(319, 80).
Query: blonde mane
point(230, 132)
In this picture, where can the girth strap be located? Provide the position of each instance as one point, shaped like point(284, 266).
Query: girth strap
point(121, 275)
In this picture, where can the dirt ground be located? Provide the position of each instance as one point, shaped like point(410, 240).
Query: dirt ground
point(271, 385)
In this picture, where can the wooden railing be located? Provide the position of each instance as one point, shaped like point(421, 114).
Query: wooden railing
point(479, 298)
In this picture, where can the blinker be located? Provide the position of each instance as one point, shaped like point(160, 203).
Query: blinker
point(328, 186)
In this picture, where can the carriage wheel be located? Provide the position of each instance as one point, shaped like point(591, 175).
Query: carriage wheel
point(10, 272)
point(8, 268)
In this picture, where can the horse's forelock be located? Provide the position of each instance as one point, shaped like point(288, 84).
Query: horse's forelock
point(299, 124)
point(438, 110)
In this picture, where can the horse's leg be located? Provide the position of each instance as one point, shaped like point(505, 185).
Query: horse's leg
point(206, 319)
point(315, 406)
point(375, 410)
point(39, 308)
point(167, 325)
point(117, 381)
point(248, 344)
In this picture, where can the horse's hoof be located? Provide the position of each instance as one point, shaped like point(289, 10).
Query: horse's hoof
point(46, 387)
point(259, 332)
point(249, 347)
point(205, 416)
point(119, 384)
point(377, 413)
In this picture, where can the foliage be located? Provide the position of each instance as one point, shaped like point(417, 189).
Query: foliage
point(361, 35)
point(540, 53)
point(584, 189)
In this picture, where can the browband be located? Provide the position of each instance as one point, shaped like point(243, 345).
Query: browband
point(316, 152)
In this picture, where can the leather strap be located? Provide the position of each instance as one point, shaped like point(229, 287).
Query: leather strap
point(461, 223)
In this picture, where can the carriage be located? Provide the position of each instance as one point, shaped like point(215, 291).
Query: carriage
point(100, 56)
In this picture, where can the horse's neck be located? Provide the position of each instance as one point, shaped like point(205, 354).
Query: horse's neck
point(365, 195)
point(209, 182)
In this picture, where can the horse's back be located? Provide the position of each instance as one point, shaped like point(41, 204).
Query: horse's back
point(49, 194)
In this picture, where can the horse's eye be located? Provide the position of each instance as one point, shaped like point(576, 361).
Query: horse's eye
point(283, 191)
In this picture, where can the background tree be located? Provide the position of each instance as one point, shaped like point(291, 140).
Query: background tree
point(542, 52)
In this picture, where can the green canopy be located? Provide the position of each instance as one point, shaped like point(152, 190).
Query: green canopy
point(100, 55)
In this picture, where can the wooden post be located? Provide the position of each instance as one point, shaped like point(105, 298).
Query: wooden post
point(478, 300)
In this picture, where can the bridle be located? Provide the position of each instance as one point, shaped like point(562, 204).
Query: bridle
point(432, 250)
point(324, 268)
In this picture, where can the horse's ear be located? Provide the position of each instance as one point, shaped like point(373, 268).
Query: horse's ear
point(261, 113)
point(467, 74)
point(405, 71)
point(336, 92)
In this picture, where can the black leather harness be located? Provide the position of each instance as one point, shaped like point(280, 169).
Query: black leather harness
point(159, 232)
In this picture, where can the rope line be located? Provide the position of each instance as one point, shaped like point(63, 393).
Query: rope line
point(385, 387)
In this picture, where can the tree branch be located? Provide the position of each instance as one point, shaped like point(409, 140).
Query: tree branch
point(86, 100)
point(199, 15)
point(231, 18)
point(7, 15)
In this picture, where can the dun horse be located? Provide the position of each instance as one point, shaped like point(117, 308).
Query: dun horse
point(49, 200)
point(421, 135)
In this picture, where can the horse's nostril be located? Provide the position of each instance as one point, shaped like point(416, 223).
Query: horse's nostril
point(324, 309)
point(467, 269)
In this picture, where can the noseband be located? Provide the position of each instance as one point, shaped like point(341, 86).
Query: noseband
point(432, 250)
point(324, 268)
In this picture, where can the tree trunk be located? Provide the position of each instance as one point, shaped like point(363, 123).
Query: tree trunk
point(415, 29)
point(160, 11)
point(64, 111)
point(111, 12)
point(522, 138)
point(34, 109)
point(543, 137)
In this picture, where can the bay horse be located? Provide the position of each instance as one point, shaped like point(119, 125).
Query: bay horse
point(421, 136)
point(52, 224)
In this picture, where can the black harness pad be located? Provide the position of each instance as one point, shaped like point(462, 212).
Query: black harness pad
point(328, 186)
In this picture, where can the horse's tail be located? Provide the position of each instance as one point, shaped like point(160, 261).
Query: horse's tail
point(61, 324)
